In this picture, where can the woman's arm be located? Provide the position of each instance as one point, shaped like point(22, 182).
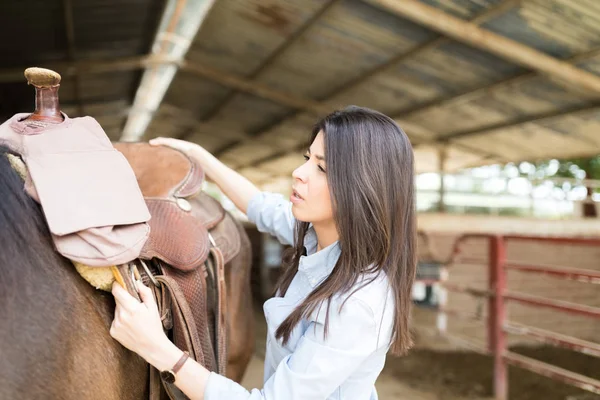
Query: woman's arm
point(237, 188)
point(316, 368)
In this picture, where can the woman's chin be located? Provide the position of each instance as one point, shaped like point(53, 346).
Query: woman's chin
point(298, 214)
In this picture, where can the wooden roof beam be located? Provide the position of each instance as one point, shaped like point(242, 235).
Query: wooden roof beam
point(273, 56)
point(198, 69)
point(257, 89)
point(477, 91)
point(486, 15)
point(300, 147)
point(499, 45)
point(448, 137)
point(72, 50)
point(569, 111)
point(71, 68)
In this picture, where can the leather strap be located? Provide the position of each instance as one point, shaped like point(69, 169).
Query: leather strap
point(181, 361)
point(220, 323)
point(124, 272)
point(181, 315)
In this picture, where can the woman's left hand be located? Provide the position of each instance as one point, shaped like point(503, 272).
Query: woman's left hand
point(137, 326)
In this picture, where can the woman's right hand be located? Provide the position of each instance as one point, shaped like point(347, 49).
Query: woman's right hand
point(184, 146)
point(239, 189)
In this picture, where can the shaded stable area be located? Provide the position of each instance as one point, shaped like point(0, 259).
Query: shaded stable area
point(437, 369)
point(445, 362)
point(472, 82)
point(455, 374)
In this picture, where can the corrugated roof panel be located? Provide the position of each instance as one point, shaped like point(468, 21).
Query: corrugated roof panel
point(551, 26)
point(533, 97)
point(247, 153)
point(192, 93)
point(107, 86)
point(536, 142)
point(351, 39)
point(107, 29)
point(32, 32)
point(462, 8)
point(581, 127)
point(239, 35)
point(249, 113)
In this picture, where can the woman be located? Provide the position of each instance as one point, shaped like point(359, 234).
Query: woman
point(344, 300)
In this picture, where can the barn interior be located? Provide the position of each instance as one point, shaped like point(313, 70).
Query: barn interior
point(472, 83)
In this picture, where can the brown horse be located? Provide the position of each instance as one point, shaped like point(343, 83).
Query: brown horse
point(54, 326)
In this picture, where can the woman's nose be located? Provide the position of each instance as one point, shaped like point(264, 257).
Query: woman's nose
point(300, 173)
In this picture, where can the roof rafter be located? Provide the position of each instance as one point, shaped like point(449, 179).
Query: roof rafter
point(476, 91)
point(281, 49)
point(508, 49)
point(72, 50)
point(402, 57)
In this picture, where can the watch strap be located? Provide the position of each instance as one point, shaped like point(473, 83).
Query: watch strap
point(181, 361)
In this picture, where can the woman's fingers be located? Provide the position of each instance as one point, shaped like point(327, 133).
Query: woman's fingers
point(158, 141)
point(123, 298)
point(177, 144)
point(171, 142)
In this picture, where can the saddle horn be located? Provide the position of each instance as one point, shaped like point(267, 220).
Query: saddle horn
point(46, 83)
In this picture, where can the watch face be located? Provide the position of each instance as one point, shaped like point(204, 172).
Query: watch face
point(168, 376)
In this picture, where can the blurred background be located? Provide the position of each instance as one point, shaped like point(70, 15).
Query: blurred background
point(501, 101)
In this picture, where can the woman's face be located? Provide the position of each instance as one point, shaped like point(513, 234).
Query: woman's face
point(310, 197)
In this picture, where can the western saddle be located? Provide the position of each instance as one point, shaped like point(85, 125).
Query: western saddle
point(183, 260)
point(192, 238)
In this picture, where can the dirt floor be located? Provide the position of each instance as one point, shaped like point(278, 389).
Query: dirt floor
point(436, 370)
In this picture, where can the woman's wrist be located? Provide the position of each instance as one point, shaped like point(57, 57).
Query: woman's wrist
point(164, 355)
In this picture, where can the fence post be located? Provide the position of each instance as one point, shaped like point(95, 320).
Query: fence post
point(496, 314)
point(442, 301)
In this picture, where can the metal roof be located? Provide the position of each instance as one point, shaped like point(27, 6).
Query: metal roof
point(472, 82)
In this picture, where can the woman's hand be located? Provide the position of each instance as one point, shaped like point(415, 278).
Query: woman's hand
point(185, 147)
point(235, 186)
point(137, 326)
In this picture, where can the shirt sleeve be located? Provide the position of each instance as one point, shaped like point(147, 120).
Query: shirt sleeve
point(272, 214)
point(319, 365)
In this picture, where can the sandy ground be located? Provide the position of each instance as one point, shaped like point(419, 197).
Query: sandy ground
point(436, 370)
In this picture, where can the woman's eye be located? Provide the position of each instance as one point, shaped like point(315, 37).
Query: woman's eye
point(306, 158)
point(321, 168)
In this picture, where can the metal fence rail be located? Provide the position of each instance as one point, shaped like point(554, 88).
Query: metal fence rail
point(498, 295)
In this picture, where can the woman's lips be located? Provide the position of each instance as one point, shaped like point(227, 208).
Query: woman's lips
point(295, 197)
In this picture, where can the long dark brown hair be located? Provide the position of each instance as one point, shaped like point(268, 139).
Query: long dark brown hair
point(370, 173)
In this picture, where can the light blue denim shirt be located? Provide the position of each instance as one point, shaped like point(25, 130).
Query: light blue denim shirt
point(346, 363)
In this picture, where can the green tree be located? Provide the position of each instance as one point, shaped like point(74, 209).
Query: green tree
point(577, 168)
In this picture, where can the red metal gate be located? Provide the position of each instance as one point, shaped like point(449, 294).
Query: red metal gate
point(498, 294)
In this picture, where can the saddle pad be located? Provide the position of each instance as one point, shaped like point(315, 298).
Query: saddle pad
point(84, 190)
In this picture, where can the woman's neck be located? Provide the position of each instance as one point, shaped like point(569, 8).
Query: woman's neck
point(327, 234)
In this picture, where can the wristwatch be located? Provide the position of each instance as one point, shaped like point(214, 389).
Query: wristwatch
point(169, 375)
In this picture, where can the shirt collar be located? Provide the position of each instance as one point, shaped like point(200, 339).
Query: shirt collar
point(318, 265)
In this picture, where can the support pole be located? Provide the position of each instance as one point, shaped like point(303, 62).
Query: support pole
point(496, 315)
point(442, 155)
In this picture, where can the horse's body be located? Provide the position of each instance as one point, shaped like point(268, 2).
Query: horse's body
point(54, 326)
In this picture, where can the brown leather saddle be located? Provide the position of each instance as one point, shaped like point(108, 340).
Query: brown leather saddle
point(191, 240)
